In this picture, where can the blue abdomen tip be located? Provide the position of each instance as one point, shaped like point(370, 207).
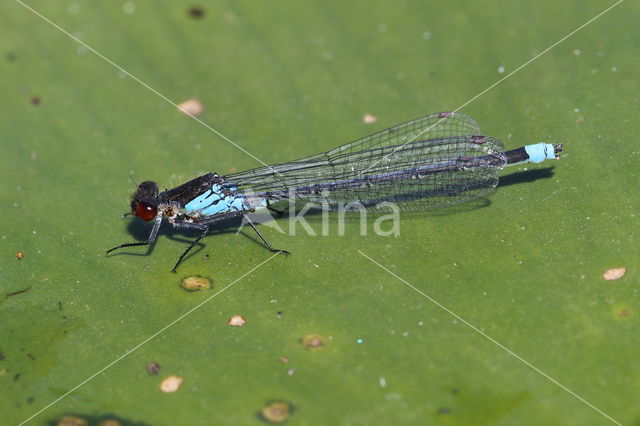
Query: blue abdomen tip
point(540, 152)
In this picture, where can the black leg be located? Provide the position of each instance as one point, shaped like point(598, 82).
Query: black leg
point(262, 238)
point(150, 240)
point(190, 225)
point(280, 212)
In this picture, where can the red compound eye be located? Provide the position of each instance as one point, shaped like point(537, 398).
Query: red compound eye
point(146, 211)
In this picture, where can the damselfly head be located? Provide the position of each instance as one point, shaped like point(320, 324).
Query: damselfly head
point(144, 202)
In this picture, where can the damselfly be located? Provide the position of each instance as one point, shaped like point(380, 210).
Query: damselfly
point(430, 162)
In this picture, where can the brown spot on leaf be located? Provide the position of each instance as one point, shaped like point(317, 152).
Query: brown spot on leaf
point(191, 107)
point(110, 422)
point(368, 119)
point(153, 368)
point(72, 421)
point(236, 321)
point(614, 274)
point(195, 283)
point(276, 411)
point(171, 384)
point(313, 342)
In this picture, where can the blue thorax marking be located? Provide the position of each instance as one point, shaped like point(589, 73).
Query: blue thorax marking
point(216, 200)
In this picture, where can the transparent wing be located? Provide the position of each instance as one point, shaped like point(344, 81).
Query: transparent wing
point(432, 126)
point(397, 165)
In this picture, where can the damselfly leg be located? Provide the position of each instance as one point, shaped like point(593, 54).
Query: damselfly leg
point(150, 240)
point(264, 240)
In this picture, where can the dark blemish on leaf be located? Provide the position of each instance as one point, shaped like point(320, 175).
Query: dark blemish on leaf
point(30, 400)
point(2, 356)
point(444, 410)
point(15, 293)
point(16, 377)
point(35, 100)
point(276, 411)
point(454, 391)
point(32, 357)
point(11, 57)
point(313, 342)
point(59, 305)
point(153, 368)
point(196, 12)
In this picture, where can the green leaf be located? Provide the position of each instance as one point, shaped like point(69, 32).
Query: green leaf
point(282, 80)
